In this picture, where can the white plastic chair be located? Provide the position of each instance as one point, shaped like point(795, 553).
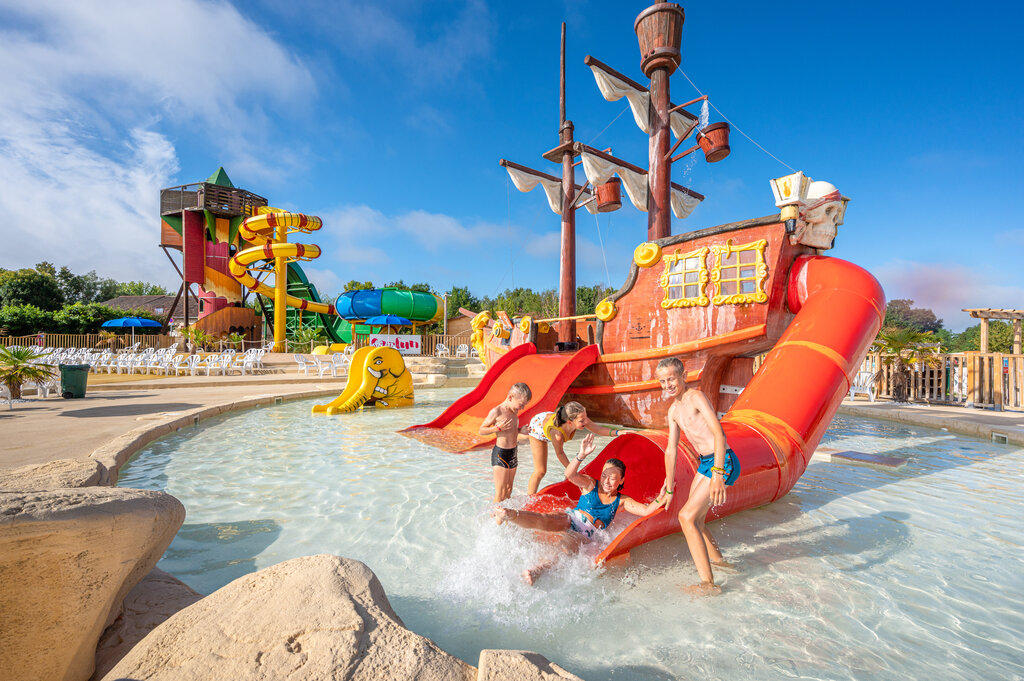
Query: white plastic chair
point(462, 351)
point(442, 351)
point(191, 365)
point(218, 363)
point(303, 364)
point(242, 363)
point(863, 384)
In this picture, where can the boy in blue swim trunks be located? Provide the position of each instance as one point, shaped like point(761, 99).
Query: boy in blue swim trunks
point(717, 467)
point(503, 423)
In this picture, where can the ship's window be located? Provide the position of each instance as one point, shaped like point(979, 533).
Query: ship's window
point(685, 279)
point(739, 273)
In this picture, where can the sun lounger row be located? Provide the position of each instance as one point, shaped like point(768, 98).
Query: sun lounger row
point(335, 363)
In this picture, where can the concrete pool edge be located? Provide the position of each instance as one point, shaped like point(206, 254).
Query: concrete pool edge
point(999, 427)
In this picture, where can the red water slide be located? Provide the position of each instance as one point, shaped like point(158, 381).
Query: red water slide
point(778, 421)
point(455, 430)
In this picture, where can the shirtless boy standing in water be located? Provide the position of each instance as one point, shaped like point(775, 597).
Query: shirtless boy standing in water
point(717, 467)
point(503, 422)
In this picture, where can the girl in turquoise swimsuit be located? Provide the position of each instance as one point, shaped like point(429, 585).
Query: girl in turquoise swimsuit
point(599, 502)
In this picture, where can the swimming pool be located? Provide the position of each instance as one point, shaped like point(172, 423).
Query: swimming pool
point(858, 573)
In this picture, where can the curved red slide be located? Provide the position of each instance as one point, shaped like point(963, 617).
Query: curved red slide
point(548, 376)
point(779, 419)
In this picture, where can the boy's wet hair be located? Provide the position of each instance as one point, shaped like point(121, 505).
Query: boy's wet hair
point(673, 363)
point(618, 463)
point(567, 412)
point(521, 390)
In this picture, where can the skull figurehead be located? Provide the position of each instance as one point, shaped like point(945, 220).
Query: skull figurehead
point(822, 213)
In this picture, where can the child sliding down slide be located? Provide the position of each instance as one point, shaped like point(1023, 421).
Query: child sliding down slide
point(598, 504)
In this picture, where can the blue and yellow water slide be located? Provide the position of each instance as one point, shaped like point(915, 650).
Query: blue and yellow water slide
point(355, 306)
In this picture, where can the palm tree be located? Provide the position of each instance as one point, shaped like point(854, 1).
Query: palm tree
point(17, 366)
point(902, 349)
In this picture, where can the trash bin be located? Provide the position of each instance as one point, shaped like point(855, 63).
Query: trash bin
point(73, 378)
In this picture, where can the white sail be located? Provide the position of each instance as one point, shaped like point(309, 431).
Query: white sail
point(683, 204)
point(525, 182)
point(599, 170)
point(613, 89)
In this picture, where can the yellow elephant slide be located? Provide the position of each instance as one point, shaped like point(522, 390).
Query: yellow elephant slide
point(376, 376)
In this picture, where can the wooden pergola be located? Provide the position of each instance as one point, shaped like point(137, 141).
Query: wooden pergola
point(985, 314)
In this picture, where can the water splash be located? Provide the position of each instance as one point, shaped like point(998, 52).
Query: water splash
point(690, 161)
point(487, 579)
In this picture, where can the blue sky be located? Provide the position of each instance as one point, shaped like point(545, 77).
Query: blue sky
point(388, 120)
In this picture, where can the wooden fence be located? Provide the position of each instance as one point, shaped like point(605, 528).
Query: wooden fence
point(87, 340)
point(988, 380)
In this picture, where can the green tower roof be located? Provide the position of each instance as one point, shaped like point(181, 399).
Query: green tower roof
point(220, 177)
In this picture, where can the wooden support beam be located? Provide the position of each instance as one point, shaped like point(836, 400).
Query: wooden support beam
point(174, 307)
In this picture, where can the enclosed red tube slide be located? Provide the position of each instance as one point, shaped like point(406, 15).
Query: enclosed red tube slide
point(782, 414)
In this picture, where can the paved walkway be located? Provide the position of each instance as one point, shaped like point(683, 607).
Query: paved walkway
point(38, 430)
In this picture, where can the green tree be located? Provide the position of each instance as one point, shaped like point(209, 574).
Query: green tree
point(106, 289)
point(140, 288)
point(1000, 338)
point(47, 268)
point(900, 314)
point(460, 296)
point(354, 285)
point(29, 287)
point(901, 349)
point(18, 366)
point(587, 297)
point(421, 287)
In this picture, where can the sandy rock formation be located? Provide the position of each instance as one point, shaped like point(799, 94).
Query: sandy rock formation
point(59, 474)
point(67, 559)
point(317, 617)
point(520, 665)
point(152, 601)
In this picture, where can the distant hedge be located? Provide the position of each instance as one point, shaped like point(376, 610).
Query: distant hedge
point(22, 320)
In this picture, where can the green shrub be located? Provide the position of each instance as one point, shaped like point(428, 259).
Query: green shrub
point(22, 320)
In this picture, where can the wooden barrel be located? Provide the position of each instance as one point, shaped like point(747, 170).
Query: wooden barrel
point(609, 195)
point(714, 141)
point(659, 30)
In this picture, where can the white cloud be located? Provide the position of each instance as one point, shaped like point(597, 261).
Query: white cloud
point(947, 289)
point(84, 92)
point(376, 31)
point(1011, 237)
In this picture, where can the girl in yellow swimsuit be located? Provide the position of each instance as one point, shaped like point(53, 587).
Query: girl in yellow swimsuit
point(557, 427)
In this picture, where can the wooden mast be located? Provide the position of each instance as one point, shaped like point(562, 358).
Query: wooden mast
point(567, 270)
point(658, 30)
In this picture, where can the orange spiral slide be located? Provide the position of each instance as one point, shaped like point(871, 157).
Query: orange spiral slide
point(782, 414)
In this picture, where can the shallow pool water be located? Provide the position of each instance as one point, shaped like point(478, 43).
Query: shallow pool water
point(858, 573)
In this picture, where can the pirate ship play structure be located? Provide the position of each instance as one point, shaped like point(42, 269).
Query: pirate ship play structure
point(717, 298)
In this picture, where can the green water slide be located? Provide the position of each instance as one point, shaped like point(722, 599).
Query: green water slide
point(414, 305)
point(336, 329)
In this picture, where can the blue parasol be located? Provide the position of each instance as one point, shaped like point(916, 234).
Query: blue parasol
point(132, 322)
point(387, 320)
